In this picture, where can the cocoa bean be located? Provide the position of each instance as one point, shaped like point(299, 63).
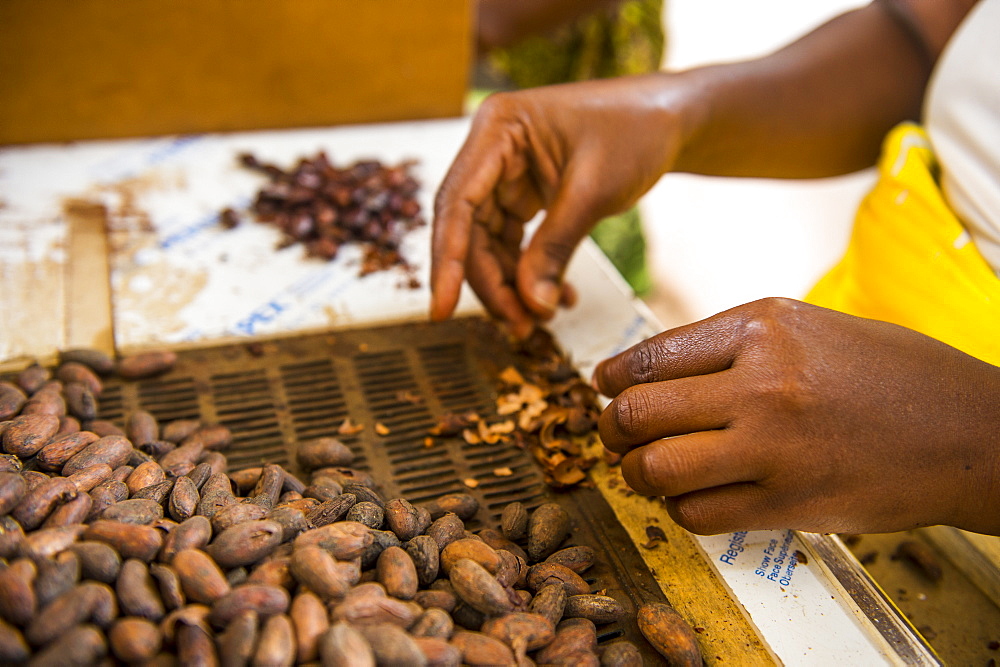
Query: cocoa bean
point(479, 649)
point(145, 474)
point(201, 578)
point(368, 513)
point(9, 462)
point(215, 494)
point(541, 574)
point(368, 609)
point(570, 640)
point(33, 478)
point(77, 647)
point(70, 609)
point(47, 542)
point(195, 646)
point(550, 602)
point(95, 360)
point(54, 455)
point(182, 460)
point(446, 530)
point(80, 401)
point(18, 602)
point(462, 504)
point(245, 543)
point(135, 639)
point(74, 371)
point(169, 586)
point(98, 561)
point(235, 514)
point(193, 533)
point(179, 429)
point(478, 588)
point(269, 484)
point(309, 619)
point(547, 528)
point(12, 399)
point(265, 600)
point(56, 576)
point(434, 622)
point(211, 436)
point(514, 521)
point(113, 450)
point(345, 476)
point(381, 540)
point(438, 652)
point(67, 425)
point(669, 634)
point(138, 593)
point(321, 453)
point(12, 491)
point(323, 492)
point(27, 434)
point(237, 643)
point(423, 550)
point(293, 522)
point(121, 473)
point(184, 499)
point(522, 631)
point(273, 572)
point(322, 573)
point(147, 364)
point(85, 480)
point(141, 427)
point(345, 540)
point(343, 646)
point(392, 646)
point(330, 510)
point(103, 428)
point(475, 550)
point(158, 493)
point(13, 647)
point(276, 646)
point(621, 654)
point(396, 571)
point(495, 539)
point(11, 537)
point(130, 540)
point(200, 474)
point(402, 518)
point(597, 608)
point(138, 511)
point(442, 599)
point(37, 504)
point(46, 402)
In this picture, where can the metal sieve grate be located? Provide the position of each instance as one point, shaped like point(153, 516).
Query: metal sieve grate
point(273, 394)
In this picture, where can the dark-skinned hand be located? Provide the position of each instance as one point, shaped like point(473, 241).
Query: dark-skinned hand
point(779, 414)
point(581, 152)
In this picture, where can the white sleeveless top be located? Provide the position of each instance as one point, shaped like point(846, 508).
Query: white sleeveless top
point(962, 117)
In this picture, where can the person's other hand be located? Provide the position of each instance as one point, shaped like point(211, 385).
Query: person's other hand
point(778, 414)
point(580, 152)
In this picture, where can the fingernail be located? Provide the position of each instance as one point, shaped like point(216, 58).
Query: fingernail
point(546, 293)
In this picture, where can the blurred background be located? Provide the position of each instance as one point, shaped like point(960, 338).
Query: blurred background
point(714, 243)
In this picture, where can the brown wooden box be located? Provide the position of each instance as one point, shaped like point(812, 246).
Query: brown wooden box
point(81, 69)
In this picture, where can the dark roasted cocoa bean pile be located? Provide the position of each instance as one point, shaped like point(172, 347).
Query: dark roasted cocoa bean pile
point(325, 207)
point(133, 542)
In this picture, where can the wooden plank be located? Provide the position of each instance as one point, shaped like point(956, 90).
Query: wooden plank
point(32, 265)
point(88, 319)
point(725, 633)
point(76, 69)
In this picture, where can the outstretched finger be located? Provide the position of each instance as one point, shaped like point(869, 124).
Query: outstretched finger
point(708, 346)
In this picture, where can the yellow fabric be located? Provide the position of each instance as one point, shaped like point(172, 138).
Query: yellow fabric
point(910, 261)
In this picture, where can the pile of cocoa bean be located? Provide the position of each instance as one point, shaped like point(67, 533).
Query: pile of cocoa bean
point(132, 543)
point(325, 207)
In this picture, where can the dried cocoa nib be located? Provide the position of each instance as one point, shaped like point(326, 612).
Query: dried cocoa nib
point(324, 207)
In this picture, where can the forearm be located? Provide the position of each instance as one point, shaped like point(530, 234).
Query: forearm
point(818, 107)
